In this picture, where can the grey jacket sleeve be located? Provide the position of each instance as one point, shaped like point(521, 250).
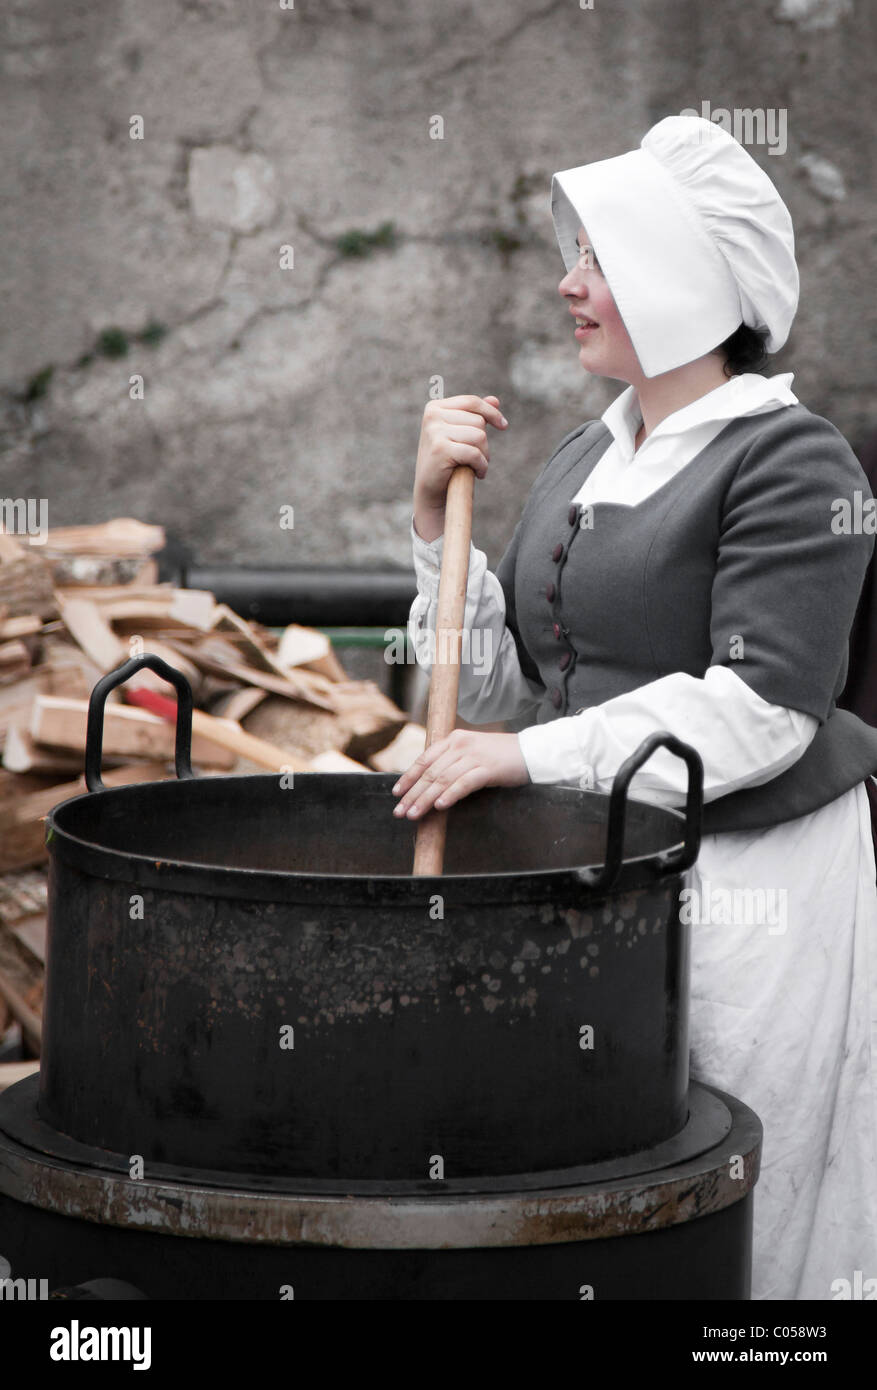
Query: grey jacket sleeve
point(793, 551)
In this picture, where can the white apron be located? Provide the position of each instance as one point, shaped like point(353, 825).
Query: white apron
point(784, 1017)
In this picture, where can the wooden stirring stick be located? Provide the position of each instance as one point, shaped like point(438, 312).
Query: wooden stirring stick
point(441, 717)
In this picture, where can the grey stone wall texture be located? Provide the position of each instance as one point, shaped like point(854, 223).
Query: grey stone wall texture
point(310, 125)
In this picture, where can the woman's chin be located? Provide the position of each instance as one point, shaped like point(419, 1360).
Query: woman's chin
point(590, 360)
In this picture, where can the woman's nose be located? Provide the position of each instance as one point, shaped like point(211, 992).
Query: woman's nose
point(572, 286)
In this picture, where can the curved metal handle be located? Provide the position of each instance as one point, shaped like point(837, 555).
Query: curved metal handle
point(679, 860)
point(95, 731)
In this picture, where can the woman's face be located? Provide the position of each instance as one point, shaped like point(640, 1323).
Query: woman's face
point(605, 350)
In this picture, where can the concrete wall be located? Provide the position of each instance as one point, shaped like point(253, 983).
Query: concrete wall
point(309, 127)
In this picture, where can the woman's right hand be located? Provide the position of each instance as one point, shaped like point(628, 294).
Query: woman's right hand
point(454, 431)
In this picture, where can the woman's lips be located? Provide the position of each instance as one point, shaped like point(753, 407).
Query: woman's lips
point(585, 329)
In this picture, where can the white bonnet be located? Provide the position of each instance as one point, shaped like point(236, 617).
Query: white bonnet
point(692, 238)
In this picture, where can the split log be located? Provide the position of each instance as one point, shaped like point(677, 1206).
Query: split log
point(226, 734)
point(304, 646)
point(299, 728)
point(70, 571)
point(197, 601)
point(19, 627)
point(128, 732)
point(123, 535)
point(22, 754)
point(91, 630)
point(367, 725)
point(221, 658)
point(398, 756)
point(64, 670)
point(368, 718)
point(14, 661)
point(25, 580)
point(238, 703)
point(165, 608)
point(246, 640)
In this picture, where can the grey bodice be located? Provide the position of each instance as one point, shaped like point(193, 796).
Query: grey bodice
point(738, 559)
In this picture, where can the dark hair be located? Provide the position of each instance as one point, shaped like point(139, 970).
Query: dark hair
point(744, 350)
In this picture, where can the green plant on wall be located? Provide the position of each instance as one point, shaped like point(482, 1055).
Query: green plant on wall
point(523, 186)
point(38, 385)
point(505, 242)
point(112, 342)
point(360, 243)
point(153, 333)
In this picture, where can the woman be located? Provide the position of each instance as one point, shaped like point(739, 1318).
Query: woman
point(691, 562)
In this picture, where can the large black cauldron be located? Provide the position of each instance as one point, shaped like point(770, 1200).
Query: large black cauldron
point(245, 976)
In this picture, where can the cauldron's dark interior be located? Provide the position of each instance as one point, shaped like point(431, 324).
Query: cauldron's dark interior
point(342, 823)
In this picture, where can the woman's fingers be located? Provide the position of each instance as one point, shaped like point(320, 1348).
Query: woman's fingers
point(453, 431)
point(468, 445)
point(485, 406)
point(468, 781)
point(431, 781)
point(428, 756)
point(426, 792)
point(466, 417)
point(454, 766)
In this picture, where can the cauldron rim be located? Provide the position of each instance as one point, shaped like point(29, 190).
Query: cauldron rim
point(279, 885)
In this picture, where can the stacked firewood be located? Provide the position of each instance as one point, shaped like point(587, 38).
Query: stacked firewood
point(78, 603)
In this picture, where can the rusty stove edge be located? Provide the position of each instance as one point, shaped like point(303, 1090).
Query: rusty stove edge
point(631, 1207)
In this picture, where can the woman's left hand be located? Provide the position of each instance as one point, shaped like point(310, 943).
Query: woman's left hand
point(453, 767)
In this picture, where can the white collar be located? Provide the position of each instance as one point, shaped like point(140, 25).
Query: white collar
point(750, 393)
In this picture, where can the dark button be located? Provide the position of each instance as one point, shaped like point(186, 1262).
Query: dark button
point(557, 552)
point(550, 591)
point(565, 660)
point(556, 699)
point(556, 627)
point(573, 514)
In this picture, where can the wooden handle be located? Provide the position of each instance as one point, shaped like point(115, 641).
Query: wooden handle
point(441, 718)
point(227, 733)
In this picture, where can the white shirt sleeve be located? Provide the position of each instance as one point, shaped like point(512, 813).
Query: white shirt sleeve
point(492, 684)
point(742, 739)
